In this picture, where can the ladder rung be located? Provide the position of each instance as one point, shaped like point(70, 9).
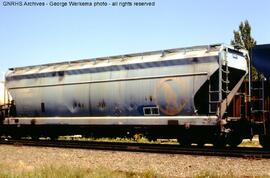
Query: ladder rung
point(257, 89)
point(260, 99)
point(258, 111)
point(239, 93)
point(225, 91)
point(227, 81)
point(225, 71)
point(259, 122)
point(214, 91)
point(214, 102)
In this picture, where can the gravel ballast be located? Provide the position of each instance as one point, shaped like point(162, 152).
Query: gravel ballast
point(22, 158)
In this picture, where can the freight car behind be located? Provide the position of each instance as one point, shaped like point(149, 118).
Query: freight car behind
point(2, 93)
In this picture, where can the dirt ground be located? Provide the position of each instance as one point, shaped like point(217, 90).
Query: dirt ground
point(22, 158)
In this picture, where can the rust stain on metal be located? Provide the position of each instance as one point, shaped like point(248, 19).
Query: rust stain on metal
point(187, 125)
point(173, 122)
point(77, 105)
point(101, 105)
point(33, 121)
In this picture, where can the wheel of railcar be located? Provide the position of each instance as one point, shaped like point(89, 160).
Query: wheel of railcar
point(35, 137)
point(184, 141)
point(234, 139)
point(152, 139)
point(220, 141)
point(200, 144)
point(264, 141)
point(53, 137)
point(16, 137)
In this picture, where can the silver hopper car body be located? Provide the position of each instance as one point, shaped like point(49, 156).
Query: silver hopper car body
point(160, 93)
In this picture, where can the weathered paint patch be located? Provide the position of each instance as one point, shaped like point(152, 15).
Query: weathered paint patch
point(172, 95)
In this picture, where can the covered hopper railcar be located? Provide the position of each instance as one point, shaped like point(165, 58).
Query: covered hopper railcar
point(178, 93)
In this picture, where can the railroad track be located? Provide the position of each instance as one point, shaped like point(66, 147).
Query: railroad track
point(140, 147)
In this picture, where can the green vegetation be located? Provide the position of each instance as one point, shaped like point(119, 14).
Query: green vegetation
point(138, 138)
point(209, 174)
point(71, 172)
point(142, 139)
point(243, 38)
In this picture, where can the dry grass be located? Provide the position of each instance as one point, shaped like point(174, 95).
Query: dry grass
point(136, 139)
point(20, 161)
point(141, 139)
point(71, 172)
point(251, 143)
point(209, 174)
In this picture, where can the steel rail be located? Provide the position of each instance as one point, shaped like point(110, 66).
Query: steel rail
point(246, 152)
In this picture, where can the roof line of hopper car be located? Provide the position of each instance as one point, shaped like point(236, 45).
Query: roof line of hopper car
point(206, 48)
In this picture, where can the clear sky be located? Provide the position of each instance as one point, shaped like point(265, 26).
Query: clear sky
point(37, 35)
